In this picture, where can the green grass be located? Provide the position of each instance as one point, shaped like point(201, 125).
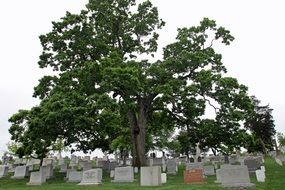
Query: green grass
point(275, 180)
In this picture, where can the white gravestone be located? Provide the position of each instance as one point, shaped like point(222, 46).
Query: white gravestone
point(74, 176)
point(209, 170)
point(112, 173)
point(37, 178)
point(260, 175)
point(150, 176)
point(92, 177)
point(47, 161)
point(3, 170)
point(67, 173)
point(124, 174)
point(218, 176)
point(278, 161)
point(21, 172)
point(48, 170)
point(235, 177)
point(136, 170)
point(262, 168)
point(163, 178)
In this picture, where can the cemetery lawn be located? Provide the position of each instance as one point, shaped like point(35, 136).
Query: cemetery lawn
point(275, 176)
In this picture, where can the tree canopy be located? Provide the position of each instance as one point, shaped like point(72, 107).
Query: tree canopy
point(103, 94)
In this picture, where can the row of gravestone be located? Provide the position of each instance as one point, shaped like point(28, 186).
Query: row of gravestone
point(149, 176)
point(228, 175)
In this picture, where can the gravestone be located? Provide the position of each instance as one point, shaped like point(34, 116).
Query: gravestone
point(218, 176)
point(233, 159)
point(104, 164)
point(67, 173)
point(37, 178)
point(124, 174)
point(224, 166)
point(150, 176)
point(278, 161)
point(18, 161)
point(21, 172)
point(86, 158)
point(163, 178)
point(75, 176)
point(209, 170)
point(92, 177)
point(183, 159)
point(157, 162)
point(262, 168)
point(63, 168)
point(30, 165)
point(194, 165)
point(3, 170)
point(235, 177)
point(112, 173)
point(129, 162)
point(171, 166)
point(194, 176)
point(136, 170)
point(73, 161)
point(226, 159)
point(260, 175)
point(252, 165)
point(48, 169)
point(47, 161)
point(112, 165)
point(149, 162)
point(86, 166)
point(60, 161)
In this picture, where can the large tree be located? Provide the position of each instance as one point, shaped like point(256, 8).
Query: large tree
point(101, 79)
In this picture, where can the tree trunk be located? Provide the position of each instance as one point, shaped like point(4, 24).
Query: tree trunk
point(138, 134)
point(263, 147)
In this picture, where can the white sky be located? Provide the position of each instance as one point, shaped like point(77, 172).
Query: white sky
point(254, 58)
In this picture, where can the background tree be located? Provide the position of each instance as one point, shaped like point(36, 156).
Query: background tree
point(261, 124)
point(281, 139)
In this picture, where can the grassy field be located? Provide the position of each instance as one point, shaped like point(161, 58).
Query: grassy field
point(275, 180)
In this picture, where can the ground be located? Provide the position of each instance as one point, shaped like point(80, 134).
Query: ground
point(275, 176)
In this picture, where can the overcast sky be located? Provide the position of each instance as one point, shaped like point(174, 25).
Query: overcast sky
point(255, 58)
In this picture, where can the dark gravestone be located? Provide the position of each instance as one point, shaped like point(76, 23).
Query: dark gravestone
point(252, 165)
point(227, 159)
point(113, 165)
point(192, 159)
point(199, 159)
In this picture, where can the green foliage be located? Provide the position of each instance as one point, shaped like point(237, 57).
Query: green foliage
point(103, 96)
point(261, 124)
point(13, 147)
point(281, 139)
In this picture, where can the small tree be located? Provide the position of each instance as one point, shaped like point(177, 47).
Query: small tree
point(261, 124)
